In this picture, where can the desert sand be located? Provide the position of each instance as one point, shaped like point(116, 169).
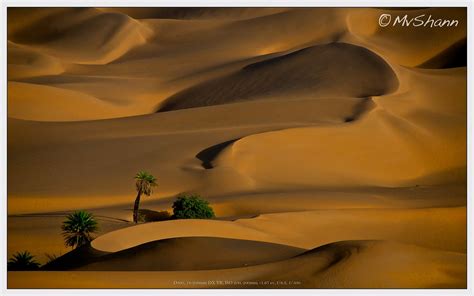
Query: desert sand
point(332, 150)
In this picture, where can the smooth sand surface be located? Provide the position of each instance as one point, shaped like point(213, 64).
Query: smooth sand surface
point(192, 253)
point(310, 129)
point(350, 264)
point(310, 228)
point(287, 76)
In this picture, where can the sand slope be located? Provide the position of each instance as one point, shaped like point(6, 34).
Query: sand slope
point(314, 228)
point(311, 129)
point(413, 46)
point(61, 31)
point(354, 264)
point(190, 253)
point(398, 143)
point(27, 62)
point(193, 12)
point(337, 70)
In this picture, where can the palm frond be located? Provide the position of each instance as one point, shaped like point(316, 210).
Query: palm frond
point(145, 182)
point(22, 261)
point(78, 227)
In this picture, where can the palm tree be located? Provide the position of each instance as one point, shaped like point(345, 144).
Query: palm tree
point(78, 227)
point(144, 185)
point(22, 261)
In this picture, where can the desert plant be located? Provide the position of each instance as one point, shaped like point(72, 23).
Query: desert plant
point(51, 257)
point(22, 261)
point(144, 183)
point(192, 207)
point(78, 228)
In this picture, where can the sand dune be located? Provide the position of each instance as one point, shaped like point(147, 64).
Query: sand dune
point(149, 47)
point(304, 73)
point(373, 265)
point(451, 57)
point(220, 124)
point(409, 126)
point(418, 45)
point(60, 33)
point(188, 253)
point(47, 100)
point(26, 62)
point(354, 264)
point(305, 128)
point(193, 12)
point(315, 228)
point(40, 233)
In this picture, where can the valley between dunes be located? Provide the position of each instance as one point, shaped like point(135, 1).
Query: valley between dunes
point(332, 150)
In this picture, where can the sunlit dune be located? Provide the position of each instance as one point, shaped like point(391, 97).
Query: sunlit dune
point(351, 264)
point(305, 73)
point(331, 149)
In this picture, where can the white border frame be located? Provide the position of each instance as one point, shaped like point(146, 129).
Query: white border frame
point(230, 3)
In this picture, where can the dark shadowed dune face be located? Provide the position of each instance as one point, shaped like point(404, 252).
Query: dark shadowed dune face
point(336, 69)
point(45, 25)
point(209, 154)
point(191, 253)
point(190, 13)
point(452, 57)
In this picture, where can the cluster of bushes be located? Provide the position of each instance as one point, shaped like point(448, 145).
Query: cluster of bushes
point(192, 207)
point(186, 206)
point(22, 261)
point(78, 227)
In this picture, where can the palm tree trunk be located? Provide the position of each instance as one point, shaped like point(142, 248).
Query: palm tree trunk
point(135, 207)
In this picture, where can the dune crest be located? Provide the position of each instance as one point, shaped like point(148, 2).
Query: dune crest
point(61, 32)
point(73, 106)
point(194, 253)
point(24, 61)
point(331, 149)
point(397, 143)
point(344, 264)
point(188, 13)
point(416, 226)
point(323, 70)
point(401, 45)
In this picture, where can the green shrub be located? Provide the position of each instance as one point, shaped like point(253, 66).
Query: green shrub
point(22, 261)
point(192, 207)
point(78, 228)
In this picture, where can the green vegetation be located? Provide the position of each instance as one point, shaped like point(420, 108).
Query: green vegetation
point(22, 261)
point(192, 207)
point(144, 185)
point(78, 228)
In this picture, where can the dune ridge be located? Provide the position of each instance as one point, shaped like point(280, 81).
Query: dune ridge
point(408, 123)
point(114, 34)
point(193, 12)
point(323, 267)
point(27, 62)
point(304, 73)
point(182, 253)
point(332, 150)
point(417, 226)
point(159, 42)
